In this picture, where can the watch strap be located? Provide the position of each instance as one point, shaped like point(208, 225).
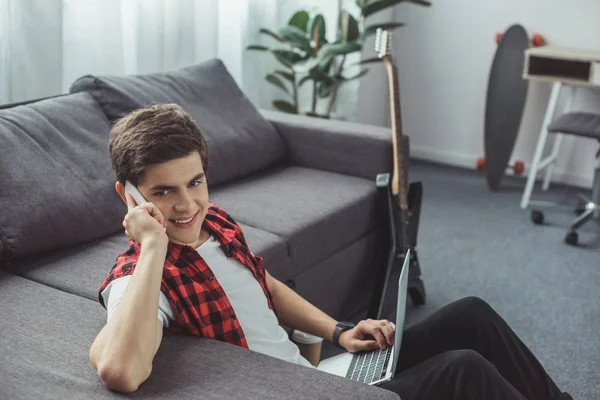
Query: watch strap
point(340, 328)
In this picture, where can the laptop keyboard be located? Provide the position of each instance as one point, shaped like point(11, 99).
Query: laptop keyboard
point(368, 367)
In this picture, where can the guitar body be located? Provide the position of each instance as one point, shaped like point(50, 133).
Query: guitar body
point(402, 203)
point(385, 292)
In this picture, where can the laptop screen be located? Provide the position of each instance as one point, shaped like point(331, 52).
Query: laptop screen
point(401, 307)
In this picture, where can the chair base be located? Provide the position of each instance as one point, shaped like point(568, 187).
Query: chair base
point(572, 237)
point(587, 209)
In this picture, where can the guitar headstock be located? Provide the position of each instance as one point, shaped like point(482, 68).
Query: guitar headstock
point(383, 44)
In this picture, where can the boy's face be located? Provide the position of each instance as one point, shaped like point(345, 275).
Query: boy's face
point(178, 188)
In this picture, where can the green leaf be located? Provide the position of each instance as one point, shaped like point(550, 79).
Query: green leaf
point(286, 57)
point(303, 80)
point(300, 20)
point(257, 47)
point(362, 3)
point(295, 37)
point(340, 48)
point(312, 62)
point(374, 6)
point(287, 75)
point(355, 76)
point(420, 2)
point(371, 29)
point(274, 35)
point(326, 87)
point(348, 27)
point(319, 76)
point(370, 60)
point(274, 79)
point(325, 63)
point(316, 29)
point(305, 66)
point(285, 106)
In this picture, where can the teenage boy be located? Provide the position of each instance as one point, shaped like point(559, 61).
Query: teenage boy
point(188, 268)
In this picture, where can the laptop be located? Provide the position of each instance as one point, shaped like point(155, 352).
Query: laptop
point(378, 366)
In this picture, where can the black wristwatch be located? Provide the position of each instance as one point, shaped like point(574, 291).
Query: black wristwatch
point(341, 326)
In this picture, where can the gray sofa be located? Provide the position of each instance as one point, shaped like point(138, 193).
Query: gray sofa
point(302, 190)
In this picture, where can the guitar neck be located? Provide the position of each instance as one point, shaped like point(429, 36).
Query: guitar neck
point(399, 178)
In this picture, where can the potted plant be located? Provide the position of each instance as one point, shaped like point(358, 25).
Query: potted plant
point(306, 56)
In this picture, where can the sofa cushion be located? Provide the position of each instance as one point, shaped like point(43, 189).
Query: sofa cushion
point(240, 140)
point(82, 269)
point(57, 181)
point(316, 212)
point(45, 337)
point(357, 264)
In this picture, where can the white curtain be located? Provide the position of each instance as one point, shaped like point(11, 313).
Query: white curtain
point(45, 45)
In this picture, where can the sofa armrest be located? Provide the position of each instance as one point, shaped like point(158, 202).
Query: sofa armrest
point(185, 365)
point(337, 146)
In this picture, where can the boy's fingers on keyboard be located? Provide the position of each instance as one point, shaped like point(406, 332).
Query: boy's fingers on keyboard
point(373, 328)
point(368, 345)
point(388, 331)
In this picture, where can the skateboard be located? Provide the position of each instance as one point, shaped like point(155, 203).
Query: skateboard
point(505, 101)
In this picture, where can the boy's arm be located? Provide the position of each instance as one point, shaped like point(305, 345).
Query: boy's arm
point(123, 351)
point(297, 313)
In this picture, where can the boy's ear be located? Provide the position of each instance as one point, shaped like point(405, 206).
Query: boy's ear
point(120, 188)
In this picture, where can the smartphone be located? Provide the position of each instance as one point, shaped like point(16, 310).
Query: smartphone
point(135, 193)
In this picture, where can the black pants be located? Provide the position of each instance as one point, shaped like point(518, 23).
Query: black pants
point(464, 351)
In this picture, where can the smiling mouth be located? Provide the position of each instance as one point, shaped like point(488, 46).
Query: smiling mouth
point(185, 222)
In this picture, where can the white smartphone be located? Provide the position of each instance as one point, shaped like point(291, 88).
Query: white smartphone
point(135, 193)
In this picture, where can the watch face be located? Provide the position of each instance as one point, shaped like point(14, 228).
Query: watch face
point(345, 324)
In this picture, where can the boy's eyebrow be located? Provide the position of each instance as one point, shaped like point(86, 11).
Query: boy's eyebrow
point(168, 187)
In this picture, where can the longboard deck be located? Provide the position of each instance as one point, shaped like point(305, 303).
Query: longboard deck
point(506, 95)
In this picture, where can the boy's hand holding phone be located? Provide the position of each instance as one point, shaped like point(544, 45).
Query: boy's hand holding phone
point(144, 223)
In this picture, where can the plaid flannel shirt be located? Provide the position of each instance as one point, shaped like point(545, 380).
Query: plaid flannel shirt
point(200, 304)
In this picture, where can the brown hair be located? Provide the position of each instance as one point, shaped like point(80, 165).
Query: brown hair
point(153, 135)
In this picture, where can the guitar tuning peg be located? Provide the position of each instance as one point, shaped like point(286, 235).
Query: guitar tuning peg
point(378, 40)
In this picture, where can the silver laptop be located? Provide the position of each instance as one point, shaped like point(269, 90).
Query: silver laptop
point(379, 366)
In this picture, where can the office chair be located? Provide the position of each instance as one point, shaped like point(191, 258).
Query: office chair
point(587, 125)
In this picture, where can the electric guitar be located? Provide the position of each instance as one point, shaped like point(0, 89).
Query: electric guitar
point(402, 203)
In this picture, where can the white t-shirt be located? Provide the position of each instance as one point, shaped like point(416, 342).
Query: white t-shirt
point(259, 323)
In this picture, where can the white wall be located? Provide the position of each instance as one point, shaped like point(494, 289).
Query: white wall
point(444, 57)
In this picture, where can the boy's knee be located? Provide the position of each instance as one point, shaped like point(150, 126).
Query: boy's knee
point(468, 361)
point(477, 307)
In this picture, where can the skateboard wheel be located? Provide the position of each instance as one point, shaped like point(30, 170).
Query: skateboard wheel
point(537, 217)
point(538, 40)
point(480, 164)
point(572, 238)
point(499, 37)
point(519, 167)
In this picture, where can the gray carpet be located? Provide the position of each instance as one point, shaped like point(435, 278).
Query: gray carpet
point(473, 242)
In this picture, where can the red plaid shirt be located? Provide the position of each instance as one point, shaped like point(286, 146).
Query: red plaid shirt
point(200, 304)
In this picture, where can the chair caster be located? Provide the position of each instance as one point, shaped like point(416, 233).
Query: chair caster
point(572, 238)
point(537, 217)
point(416, 290)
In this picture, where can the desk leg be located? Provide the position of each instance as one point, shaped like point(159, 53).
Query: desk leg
point(557, 142)
point(541, 144)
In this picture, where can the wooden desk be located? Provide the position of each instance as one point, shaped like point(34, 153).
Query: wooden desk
point(564, 64)
point(564, 67)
